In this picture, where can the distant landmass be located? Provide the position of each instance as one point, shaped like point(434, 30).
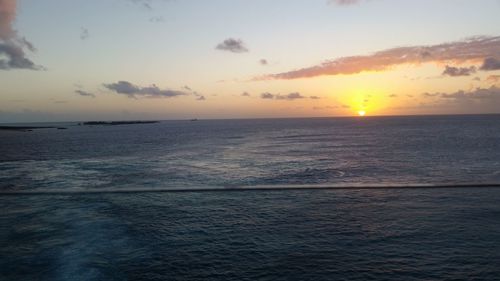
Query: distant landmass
point(90, 123)
point(25, 128)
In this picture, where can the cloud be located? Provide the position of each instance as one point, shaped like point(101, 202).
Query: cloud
point(483, 94)
point(291, 96)
point(393, 96)
point(190, 91)
point(315, 97)
point(84, 33)
point(472, 49)
point(157, 19)
point(245, 94)
point(459, 71)
point(343, 2)
point(288, 97)
point(430, 95)
point(324, 107)
point(144, 3)
point(84, 93)
point(479, 100)
point(134, 91)
point(266, 96)
point(232, 45)
point(263, 62)
point(493, 78)
point(15, 57)
point(7, 16)
point(148, 5)
point(491, 64)
point(12, 47)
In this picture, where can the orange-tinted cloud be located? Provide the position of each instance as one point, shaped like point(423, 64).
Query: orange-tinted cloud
point(493, 78)
point(12, 46)
point(472, 49)
point(7, 15)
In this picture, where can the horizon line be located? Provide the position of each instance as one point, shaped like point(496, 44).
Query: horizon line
point(257, 118)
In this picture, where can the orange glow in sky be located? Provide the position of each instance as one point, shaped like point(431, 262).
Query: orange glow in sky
point(135, 63)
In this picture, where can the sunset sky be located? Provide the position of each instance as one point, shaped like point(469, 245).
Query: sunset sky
point(68, 60)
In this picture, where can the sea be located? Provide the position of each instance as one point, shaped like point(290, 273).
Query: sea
point(353, 198)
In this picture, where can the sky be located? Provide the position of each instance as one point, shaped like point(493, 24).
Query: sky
point(72, 60)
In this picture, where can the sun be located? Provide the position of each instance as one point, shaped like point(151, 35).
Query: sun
point(362, 113)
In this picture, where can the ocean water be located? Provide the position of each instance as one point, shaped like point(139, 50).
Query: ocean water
point(348, 234)
point(225, 153)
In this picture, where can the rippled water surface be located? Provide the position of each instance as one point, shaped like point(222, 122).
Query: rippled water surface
point(254, 152)
point(357, 234)
point(423, 234)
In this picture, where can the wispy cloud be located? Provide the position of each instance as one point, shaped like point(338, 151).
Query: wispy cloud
point(343, 2)
point(232, 45)
point(430, 95)
point(472, 49)
point(12, 46)
point(157, 19)
point(324, 107)
point(245, 94)
point(84, 93)
point(144, 3)
point(84, 33)
point(492, 93)
point(134, 91)
point(288, 97)
point(493, 78)
point(263, 62)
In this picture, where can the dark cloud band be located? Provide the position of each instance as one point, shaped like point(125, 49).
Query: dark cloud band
point(134, 91)
point(459, 71)
point(288, 97)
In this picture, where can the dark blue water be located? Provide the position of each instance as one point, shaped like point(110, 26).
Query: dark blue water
point(358, 234)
